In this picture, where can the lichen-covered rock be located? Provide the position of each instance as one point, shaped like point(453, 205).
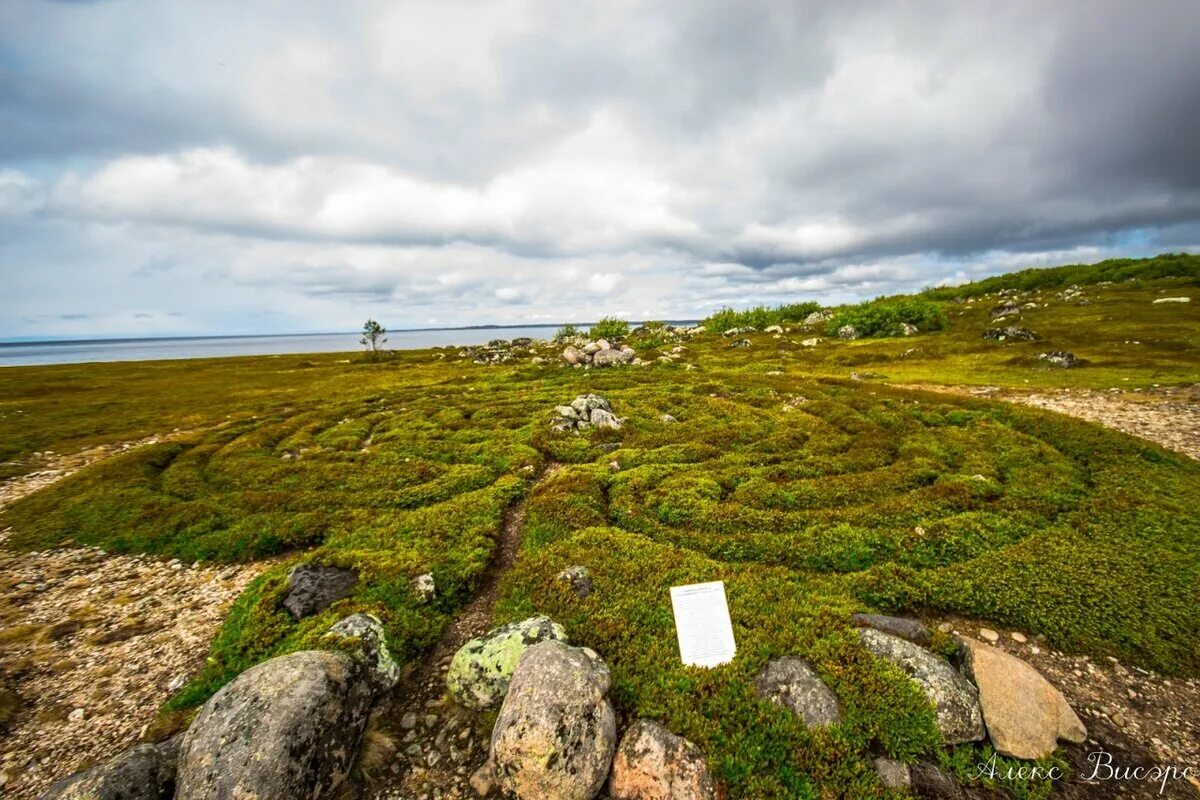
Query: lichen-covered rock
point(792, 683)
point(312, 588)
point(1010, 333)
point(1025, 715)
point(605, 420)
point(584, 404)
point(612, 357)
point(1060, 358)
point(1006, 308)
point(817, 317)
point(289, 727)
point(578, 578)
point(555, 736)
point(910, 629)
point(813, 342)
point(146, 772)
point(955, 699)
point(482, 669)
point(384, 672)
point(740, 343)
point(654, 764)
point(907, 329)
point(425, 587)
point(848, 332)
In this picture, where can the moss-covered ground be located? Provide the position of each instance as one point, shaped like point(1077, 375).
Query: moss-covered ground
point(812, 495)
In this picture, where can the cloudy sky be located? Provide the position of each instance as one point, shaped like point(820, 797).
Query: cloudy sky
point(211, 167)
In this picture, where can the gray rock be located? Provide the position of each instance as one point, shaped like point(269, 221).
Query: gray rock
point(555, 736)
point(908, 330)
point(584, 404)
point(1060, 358)
point(579, 579)
point(482, 669)
point(1006, 308)
point(289, 727)
point(425, 587)
point(312, 588)
point(654, 764)
point(892, 773)
point(954, 698)
point(792, 683)
point(591, 348)
point(611, 357)
point(740, 343)
point(905, 628)
point(1011, 333)
point(817, 317)
point(566, 412)
point(848, 332)
point(384, 672)
point(146, 772)
point(605, 420)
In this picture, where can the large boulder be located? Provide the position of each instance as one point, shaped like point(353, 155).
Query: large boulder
point(910, 629)
point(147, 772)
point(654, 764)
point(573, 356)
point(612, 357)
point(848, 332)
point(1025, 715)
point(555, 736)
point(482, 669)
point(287, 728)
point(793, 683)
point(312, 588)
point(954, 698)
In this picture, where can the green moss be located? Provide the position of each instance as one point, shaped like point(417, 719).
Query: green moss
point(812, 496)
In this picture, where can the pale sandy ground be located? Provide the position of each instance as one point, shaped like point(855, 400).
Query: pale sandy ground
point(91, 642)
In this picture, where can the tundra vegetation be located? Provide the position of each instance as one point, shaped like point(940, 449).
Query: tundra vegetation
point(810, 494)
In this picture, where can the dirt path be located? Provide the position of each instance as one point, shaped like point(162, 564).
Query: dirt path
point(1168, 417)
point(429, 746)
point(91, 644)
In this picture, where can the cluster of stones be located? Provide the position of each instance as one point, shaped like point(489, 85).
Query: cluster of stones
point(1011, 333)
point(1060, 359)
point(598, 354)
point(585, 412)
point(555, 737)
point(994, 695)
point(498, 351)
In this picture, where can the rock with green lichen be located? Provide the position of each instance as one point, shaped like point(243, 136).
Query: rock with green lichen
point(482, 669)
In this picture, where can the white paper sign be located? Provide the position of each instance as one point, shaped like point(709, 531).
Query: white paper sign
point(702, 624)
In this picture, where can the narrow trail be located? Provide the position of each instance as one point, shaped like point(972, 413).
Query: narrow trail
point(426, 745)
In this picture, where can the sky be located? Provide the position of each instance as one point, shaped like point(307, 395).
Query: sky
point(228, 167)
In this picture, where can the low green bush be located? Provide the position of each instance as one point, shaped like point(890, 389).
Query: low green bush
point(611, 328)
point(758, 317)
point(885, 316)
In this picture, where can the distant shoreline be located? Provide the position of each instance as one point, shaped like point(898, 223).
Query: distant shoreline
point(48, 352)
point(217, 336)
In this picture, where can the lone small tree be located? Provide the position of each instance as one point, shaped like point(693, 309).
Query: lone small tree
point(373, 336)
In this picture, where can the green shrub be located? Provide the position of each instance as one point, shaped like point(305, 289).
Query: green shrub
point(758, 317)
point(884, 317)
point(566, 332)
point(610, 328)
